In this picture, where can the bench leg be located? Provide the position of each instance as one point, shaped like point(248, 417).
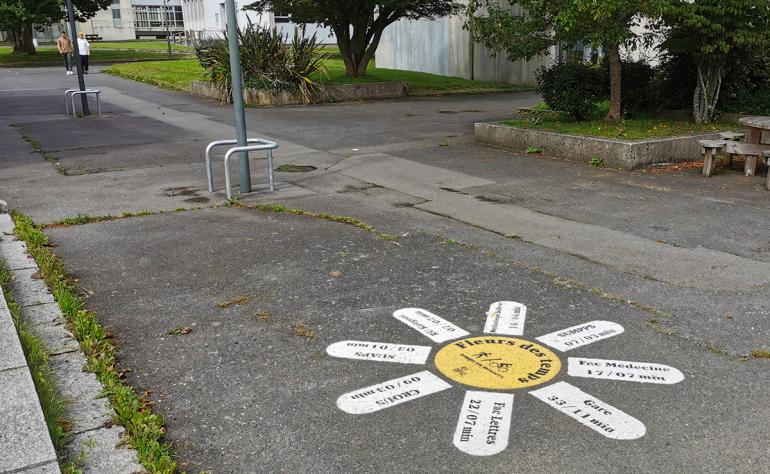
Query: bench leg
point(708, 162)
point(750, 168)
point(768, 178)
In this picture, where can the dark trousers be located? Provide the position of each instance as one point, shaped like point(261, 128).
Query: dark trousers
point(67, 64)
point(84, 61)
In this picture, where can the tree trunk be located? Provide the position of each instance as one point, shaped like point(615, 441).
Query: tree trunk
point(22, 40)
point(613, 55)
point(354, 54)
point(706, 95)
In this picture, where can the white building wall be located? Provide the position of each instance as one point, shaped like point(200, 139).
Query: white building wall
point(109, 28)
point(207, 19)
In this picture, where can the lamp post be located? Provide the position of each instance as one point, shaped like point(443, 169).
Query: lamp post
point(244, 175)
point(78, 65)
point(168, 29)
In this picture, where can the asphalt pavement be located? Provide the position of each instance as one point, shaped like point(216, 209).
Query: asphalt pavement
point(640, 293)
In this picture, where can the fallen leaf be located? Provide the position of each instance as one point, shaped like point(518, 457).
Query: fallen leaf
point(180, 330)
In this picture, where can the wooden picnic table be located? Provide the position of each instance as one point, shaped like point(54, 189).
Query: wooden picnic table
point(756, 125)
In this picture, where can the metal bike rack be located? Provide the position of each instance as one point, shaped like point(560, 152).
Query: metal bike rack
point(70, 94)
point(259, 144)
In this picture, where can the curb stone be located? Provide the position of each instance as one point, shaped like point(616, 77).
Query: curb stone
point(100, 444)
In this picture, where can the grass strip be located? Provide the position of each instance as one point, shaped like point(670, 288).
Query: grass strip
point(49, 56)
point(144, 429)
point(51, 401)
point(630, 129)
point(176, 75)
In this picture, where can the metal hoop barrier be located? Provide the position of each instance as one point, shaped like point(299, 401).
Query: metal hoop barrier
point(70, 94)
point(259, 144)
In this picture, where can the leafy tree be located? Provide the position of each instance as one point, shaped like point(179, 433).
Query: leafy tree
point(19, 17)
point(528, 28)
point(357, 24)
point(713, 33)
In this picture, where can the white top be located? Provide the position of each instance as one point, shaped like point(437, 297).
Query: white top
point(84, 47)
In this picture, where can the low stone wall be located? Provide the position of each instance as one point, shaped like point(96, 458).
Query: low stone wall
point(624, 154)
point(334, 93)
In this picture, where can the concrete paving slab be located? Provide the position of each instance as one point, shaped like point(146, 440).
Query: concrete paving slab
point(85, 408)
point(29, 289)
point(244, 393)
point(100, 455)
point(11, 353)
point(24, 439)
point(56, 338)
point(15, 255)
point(48, 468)
point(6, 228)
point(47, 314)
point(406, 176)
point(697, 267)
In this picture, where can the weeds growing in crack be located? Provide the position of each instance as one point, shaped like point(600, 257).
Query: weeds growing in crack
point(144, 429)
point(280, 208)
point(82, 219)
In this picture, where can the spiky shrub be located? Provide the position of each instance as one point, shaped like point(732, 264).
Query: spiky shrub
point(268, 61)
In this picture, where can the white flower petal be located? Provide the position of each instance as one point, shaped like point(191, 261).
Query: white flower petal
point(484, 423)
point(581, 335)
point(642, 372)
point(391, 393)
point(430, 325)
point(590, 411)
point(506, 317)
point(379, 351)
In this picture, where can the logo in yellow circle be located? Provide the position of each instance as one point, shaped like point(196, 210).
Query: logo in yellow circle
point(497, 363)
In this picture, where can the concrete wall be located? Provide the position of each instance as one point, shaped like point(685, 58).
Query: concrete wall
point(443, 47)
point(622, 154)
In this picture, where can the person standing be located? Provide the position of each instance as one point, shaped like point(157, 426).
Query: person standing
point(64, 45)
point(84, 50)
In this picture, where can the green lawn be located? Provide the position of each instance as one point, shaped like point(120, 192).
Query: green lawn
point(632, 129)
point(174, 75)
point(177, 75)
point(49, 56)
point(139, 45)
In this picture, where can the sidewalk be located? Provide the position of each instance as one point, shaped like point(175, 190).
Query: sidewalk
point(671, 268)
point(25, 445)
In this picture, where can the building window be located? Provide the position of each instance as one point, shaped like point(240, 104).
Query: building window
point(117, 21)
point(281, 17)
point(151, 16)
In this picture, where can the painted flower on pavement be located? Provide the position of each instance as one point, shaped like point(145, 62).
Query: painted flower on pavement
point(495, 365)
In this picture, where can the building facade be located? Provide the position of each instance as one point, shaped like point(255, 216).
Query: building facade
point(443, 47)
point(136, 19)
point(207, 19)
point(188, 19)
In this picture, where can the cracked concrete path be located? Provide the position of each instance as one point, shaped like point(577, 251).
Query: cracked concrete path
point(682, 263)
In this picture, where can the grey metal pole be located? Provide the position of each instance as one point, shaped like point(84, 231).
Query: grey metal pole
point(244, 174)
point(78, 65)
point(168, 30)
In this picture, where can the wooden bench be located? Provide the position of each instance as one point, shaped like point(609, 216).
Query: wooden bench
point(766, 155)
point(711, 147)
point(731, 137)
point(730, 148)
point(93, 37)
point(750, 151)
